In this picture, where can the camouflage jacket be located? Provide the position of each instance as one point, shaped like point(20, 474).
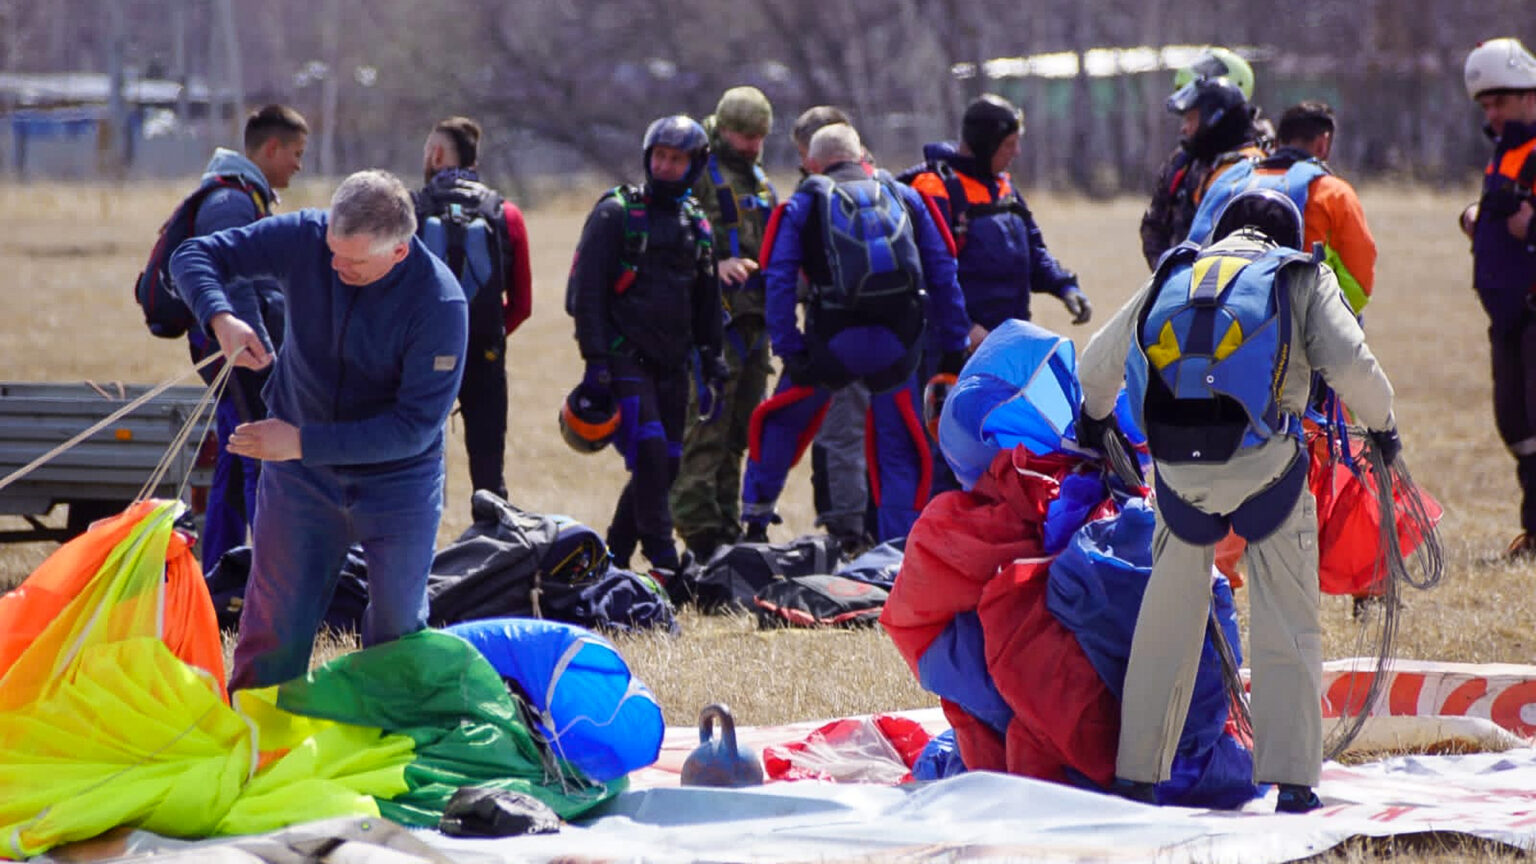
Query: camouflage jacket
point(754, 199)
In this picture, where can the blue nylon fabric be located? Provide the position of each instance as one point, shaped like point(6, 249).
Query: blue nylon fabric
point(955, 668)
point(610, 724)
point(1095, 591)
point(1020, 387)
point(940, 758)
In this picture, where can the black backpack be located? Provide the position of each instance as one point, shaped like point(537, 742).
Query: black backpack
point(511, 562)
point(164, 312)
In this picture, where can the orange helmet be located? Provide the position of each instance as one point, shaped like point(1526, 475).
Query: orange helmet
point(934, 394)
point(586, 425)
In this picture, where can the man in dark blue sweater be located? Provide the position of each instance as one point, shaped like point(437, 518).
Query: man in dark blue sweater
point(352, 449)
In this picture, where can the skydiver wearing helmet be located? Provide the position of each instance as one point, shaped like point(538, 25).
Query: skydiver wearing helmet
point(999, 248)
point(644, 294)
point(1218, 126)
point(1228, 456)
point(1500, 75)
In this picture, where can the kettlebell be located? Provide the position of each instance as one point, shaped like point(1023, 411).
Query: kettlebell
point(721, 761)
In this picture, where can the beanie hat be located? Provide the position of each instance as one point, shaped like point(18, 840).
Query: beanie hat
point(745, 110)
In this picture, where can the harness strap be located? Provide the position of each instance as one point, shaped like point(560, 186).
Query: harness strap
point(636, 236)
point(725, 198)
point(1253, 520)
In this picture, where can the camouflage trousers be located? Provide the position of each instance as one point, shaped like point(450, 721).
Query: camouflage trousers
point(706, 497)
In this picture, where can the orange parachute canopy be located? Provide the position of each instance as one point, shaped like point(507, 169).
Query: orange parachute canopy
point(47, 619)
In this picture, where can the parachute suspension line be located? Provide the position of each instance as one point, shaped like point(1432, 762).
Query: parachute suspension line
point(1395, 491)
point(1231, 677)
point(102, 424)
point(1425, 567)
point(202, 411)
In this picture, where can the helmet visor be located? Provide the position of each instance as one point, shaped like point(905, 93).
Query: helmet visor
point(1185, 98)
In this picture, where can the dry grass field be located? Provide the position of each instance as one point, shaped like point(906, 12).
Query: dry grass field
point(72, 251)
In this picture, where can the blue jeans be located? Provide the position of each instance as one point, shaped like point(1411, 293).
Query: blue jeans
point(306, 518)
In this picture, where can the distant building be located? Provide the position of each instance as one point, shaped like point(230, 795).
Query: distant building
point(59, 126)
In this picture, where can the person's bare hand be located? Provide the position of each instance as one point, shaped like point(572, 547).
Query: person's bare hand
point(1469, 220)
point(735, 271)
point(269, 440)
point(977, 334)
point(233, 335)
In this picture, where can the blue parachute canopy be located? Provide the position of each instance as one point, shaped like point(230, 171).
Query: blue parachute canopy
point(1020, 387)
point(593, 712)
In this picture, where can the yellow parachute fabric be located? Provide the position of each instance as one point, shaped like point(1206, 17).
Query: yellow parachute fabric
point(103, 725)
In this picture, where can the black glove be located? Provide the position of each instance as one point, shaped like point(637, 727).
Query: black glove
point(713, 369)
point(1077, 303)
point(597, 384)
point(1387, 444)
point(800, 369)
point(712, 377)
point(1502, 202)
point(1091, 430)
point(1096, 432)
point(951, 362)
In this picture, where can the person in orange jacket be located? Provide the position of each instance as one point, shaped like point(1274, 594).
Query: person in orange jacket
point(1331, 210)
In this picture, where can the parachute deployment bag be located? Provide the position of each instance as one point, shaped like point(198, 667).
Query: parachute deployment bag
point(871, 250)
point(464, 238)
point(1215, 335)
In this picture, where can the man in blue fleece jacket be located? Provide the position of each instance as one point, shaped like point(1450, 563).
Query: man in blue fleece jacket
point(353, 446)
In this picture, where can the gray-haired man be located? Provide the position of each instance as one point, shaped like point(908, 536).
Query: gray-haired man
point(353, 447)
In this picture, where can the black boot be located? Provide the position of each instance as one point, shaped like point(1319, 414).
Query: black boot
point(1297, 799)
point(1139, 791)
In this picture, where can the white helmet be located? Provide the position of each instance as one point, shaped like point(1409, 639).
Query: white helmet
point(1499, 64)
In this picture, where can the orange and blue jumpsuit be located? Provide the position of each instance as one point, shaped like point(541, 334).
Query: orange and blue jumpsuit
point(1504, 274)
point(1001, 254)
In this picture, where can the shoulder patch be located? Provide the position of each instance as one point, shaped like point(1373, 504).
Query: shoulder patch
point(444, 363)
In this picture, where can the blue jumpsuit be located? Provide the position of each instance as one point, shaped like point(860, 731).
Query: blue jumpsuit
point(368, 374)
point(900, 464)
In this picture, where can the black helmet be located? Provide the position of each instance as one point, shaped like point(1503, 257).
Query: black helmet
point(1268, 211)
point(587, 425)
point(986, 123)
point(683, 133)
point(1224, 115)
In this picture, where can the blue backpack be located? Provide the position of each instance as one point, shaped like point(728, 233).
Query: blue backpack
point(873, 264)
point(464, 238)
point(465, 226)
point(1212, 348)
point(1244, 176)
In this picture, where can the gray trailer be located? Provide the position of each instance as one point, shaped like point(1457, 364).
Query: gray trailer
point(102, 474)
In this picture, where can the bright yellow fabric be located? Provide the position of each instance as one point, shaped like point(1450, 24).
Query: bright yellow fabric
point(102, 725)
point(134, 738)
point(1167, 348)
point(1229, 342)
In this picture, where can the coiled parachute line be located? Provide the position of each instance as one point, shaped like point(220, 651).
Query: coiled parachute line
point(1403, 517)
